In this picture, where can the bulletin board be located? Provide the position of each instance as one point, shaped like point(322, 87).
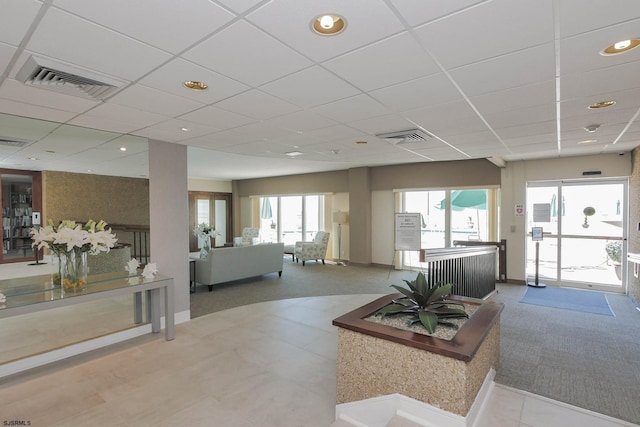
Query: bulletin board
point(407, 231)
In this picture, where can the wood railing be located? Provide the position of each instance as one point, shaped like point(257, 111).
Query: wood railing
point(471, 270)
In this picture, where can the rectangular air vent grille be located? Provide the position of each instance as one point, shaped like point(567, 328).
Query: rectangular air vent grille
point(63, 78)
point(406, 136)
point(6, 142)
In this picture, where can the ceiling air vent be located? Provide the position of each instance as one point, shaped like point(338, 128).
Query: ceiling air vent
point(47, 74)
point(12, 142)
point(406, 136)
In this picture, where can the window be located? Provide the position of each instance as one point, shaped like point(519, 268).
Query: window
point(452, 215)
point(290, 219)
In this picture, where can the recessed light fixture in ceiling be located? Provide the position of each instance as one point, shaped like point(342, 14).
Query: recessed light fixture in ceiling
point(592, 128)
point(602, 104)
point(328, 24)
point(185, 129)
point(123, 148)
point(193, 85)
point(294, 153)
point(33, 158)
point(587, 141)
point(361, 142)
point(620, 47)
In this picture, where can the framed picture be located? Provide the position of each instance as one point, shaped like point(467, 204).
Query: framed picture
point(536, 234)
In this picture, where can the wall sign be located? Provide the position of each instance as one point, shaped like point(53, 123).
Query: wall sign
point(519, 209)
point(408, 232)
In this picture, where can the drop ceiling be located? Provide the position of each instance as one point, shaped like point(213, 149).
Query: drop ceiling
point(503, 79)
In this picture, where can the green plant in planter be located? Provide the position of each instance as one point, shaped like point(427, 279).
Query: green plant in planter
point(614, 251)
point(426, 303)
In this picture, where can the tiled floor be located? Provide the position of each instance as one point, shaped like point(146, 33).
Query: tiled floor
point(267, 364)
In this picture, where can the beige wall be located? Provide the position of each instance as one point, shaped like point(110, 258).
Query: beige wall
point(456, 174)
point(366, 243)
point(210, 185)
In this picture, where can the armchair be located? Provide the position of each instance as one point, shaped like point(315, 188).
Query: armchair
point(248, 234)
point(315, 250)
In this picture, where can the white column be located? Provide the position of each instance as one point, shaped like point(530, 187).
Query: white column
point(169, 218)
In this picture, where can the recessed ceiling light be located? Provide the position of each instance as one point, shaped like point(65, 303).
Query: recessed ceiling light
point(361, 142)
point(587, 141)
point(294, 153)
point(592, 128)
point(602, 104)
point(89, 170)
point(50, 151)
point(193, 85)
point(185, 129)
point(328, 24)
point(33, 158)
point(123, 148)
point(620, 47)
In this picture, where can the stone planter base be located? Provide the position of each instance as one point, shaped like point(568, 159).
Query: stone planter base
point(375, 360)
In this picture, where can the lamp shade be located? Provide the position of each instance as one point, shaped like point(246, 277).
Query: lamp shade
point(340, 217)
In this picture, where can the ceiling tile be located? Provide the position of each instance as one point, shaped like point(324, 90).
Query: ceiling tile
point(447, 119)
point(522, 116)
point(147, 99)
point(6, 53)
point(351, 109)
point(22, 13)
point(295, 88)
point(257, 104)
point(600, 82)
point(240, 6)
point(239, 49)
point(436, 89)
point(34, 111)
point(24, 128)
point(429, 10)
point(582, 53)
point(216, 117)
point(489, 30)
point(169, 25)
point(171, 131)
point(525, 67)
point(533, 95)
point(57, 37)
point(169, 78)
point(578, 16)
point(290, 22)
point(385, 63)
point(303, 121)
point(16, 91)
point(130, 118)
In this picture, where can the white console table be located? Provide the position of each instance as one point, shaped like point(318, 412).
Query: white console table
point(35, 294)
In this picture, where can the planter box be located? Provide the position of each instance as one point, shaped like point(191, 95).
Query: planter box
point(376, 360)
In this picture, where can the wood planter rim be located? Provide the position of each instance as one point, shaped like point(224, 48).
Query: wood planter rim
point(463, 346)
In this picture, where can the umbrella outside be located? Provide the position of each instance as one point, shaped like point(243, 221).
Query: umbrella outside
point(265, 211)
point(462, 199)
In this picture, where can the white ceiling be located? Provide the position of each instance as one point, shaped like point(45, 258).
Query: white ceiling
point(504, 79)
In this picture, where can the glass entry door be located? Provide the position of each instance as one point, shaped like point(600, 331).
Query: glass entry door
point(584, 224)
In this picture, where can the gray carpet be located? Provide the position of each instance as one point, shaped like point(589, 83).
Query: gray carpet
point(587, 360)
point(314, 279)
point(584, 359)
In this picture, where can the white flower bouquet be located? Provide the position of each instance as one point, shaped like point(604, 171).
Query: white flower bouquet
point(70, 236)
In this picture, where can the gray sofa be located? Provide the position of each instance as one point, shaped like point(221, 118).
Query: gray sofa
point(233, 263)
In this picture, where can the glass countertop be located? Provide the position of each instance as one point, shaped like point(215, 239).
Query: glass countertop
point(38, 289)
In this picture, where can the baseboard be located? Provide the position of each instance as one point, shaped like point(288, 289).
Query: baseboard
point(378, 411)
